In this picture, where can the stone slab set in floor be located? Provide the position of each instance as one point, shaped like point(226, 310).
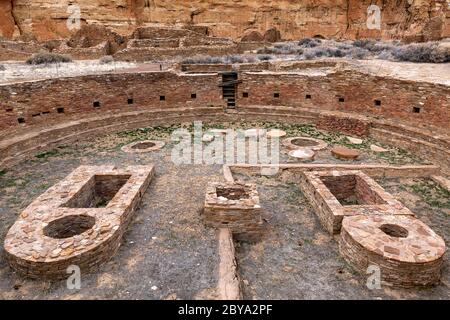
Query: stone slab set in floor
point(235, 206)
point(336, 194)
point(295, 143)
point(344, 153)
point(302, 154)
point(406, 250)
point(143, 146)
point(79, 221)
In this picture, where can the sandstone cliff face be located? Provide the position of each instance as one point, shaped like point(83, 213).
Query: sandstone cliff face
point(407, 19)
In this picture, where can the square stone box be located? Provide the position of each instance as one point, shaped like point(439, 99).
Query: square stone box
point(235, 206)
point(335, 194)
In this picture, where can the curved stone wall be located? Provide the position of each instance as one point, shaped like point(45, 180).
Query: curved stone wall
point(40, 114)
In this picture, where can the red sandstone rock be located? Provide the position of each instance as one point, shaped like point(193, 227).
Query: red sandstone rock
point(252, 36)
point(344, 153)
point(272, 35)
point(421, 19)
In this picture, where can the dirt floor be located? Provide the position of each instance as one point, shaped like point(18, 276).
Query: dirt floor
point(168, 253)
point(298, 259)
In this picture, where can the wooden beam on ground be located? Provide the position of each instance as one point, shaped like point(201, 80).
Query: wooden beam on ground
point(228, 287)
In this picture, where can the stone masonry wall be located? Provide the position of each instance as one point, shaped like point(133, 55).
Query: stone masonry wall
point(59, 100)
point(39, 101)
point(89, 103)
point(350, 91)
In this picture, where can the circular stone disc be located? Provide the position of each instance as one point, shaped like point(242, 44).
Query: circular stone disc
point(302, 154)
point(255, 133)
point(345, 153)
point(376, 148)
point(207, 137)
point(276, 133)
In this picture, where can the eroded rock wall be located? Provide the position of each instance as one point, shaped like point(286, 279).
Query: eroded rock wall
point(410, 19)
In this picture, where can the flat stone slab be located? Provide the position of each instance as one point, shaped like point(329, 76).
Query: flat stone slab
point(276, 133)
point(344, 153)
point(217, 131)
point(208, 137)
point(303, 154)
point(143, 146)
point(255, 133)
point(376, 148)
point(355, 140)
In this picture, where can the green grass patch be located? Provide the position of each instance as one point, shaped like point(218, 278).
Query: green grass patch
point(432, 194)
point(47, 154)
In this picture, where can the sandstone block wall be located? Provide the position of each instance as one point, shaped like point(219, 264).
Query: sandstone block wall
point(234, 206)
point(362, 94)
point(328, 192)
point(375, 228)
point(54, 107)
point(66, 226)
point(407, 251)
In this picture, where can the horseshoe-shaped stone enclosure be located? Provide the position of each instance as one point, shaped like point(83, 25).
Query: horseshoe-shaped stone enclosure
point(375, 228)
point(79, 221)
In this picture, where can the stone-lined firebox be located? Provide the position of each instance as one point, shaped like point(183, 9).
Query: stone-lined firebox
point(336, 194)
point(235, 206)
point(79, 221)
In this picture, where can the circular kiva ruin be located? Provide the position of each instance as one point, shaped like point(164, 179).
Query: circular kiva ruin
point(111, 165)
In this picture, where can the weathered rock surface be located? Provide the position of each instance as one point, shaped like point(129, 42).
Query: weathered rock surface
point(414, 20)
